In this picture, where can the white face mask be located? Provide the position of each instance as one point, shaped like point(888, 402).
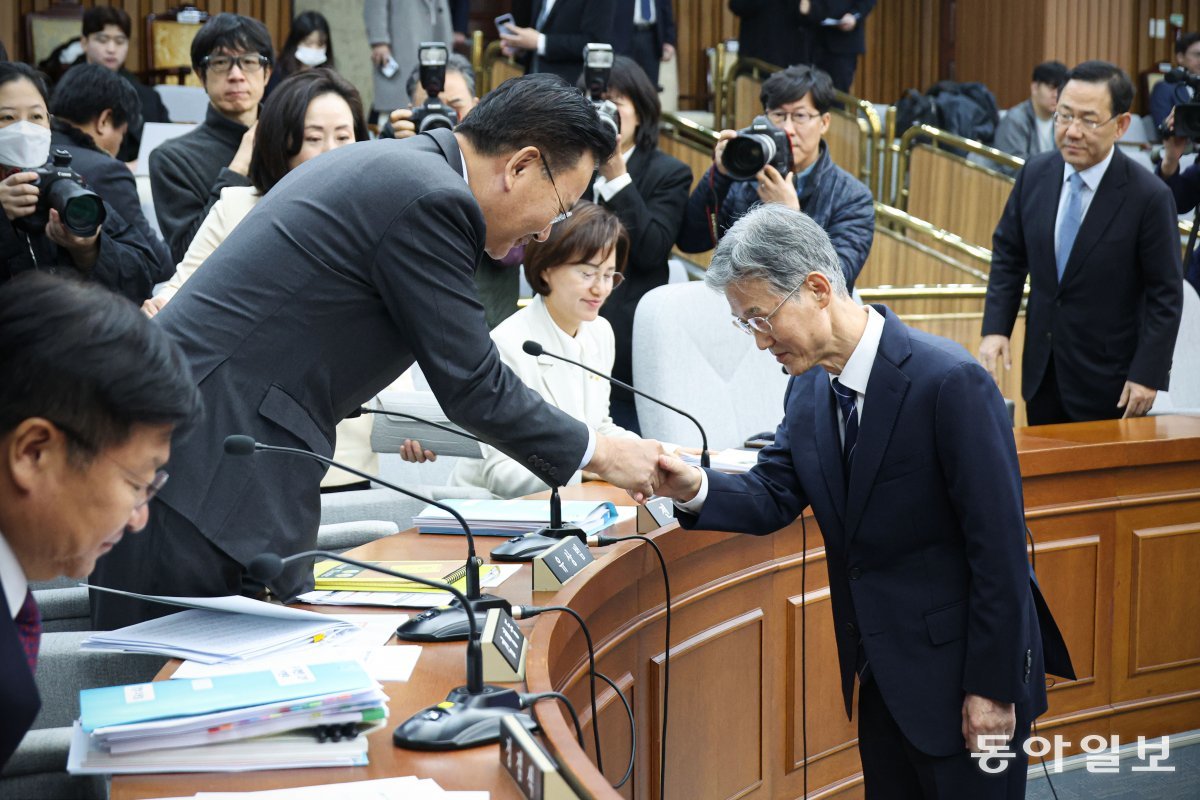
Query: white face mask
point(310, 56)
point(24, 144)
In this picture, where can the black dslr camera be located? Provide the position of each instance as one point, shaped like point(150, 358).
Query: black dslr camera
point(756, 146)
point(62, 188)
point(597, 67)
point(1187, 115)
point(433, 113)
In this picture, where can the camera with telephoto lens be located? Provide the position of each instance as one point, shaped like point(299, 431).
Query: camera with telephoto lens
point(433, 113)
point(597, 68)
point(63, 189)
point(756, 146)
point(1187, 115)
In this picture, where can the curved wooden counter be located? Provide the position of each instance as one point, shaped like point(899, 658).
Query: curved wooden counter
point(1114, 508)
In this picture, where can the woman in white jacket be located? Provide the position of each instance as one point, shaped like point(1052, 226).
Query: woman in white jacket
point(573, 272)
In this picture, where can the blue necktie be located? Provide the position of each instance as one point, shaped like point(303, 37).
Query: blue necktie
point(647, 10)
point(1071, 220)
point(848, 402)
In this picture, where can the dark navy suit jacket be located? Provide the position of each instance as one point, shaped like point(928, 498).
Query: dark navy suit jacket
point(18, 693)
point(925, 540)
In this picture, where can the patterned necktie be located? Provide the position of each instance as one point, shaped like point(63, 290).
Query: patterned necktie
point(29, 629)
point(848, 402)
point(1071, 220)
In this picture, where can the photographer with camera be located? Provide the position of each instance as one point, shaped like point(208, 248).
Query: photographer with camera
point(54, 224)
point(647, 190)
point(94, 109)
point(756, 165)
point(1185, 186)
point(1167, 94)
point(442, 88)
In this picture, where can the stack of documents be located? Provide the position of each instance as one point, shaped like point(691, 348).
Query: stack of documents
point(490, 576)
point(409, 788)
point(291, 716)
point(732, 460)
point(511, 517)
point(217, 629)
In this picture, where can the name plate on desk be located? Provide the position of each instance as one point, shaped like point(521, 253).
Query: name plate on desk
point(530, 766)
point(559, 564)
point(654, 514)
point(504, 648)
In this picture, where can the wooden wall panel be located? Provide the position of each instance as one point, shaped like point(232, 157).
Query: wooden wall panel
point(276, 14)
point(955, 195)
point(902, 50)
point(700, 24)
point(999, 44)
point(1165, 603)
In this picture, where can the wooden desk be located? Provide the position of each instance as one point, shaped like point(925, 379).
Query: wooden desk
point(1114, 508)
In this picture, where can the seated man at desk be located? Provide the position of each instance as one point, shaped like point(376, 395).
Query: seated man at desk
point(918, 496)
point(90, 391)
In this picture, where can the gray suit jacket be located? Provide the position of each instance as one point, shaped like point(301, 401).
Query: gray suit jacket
point(352, 267)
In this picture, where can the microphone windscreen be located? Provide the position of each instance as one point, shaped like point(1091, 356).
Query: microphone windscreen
point(532, 347)
point(239, 445)
point(265, 567)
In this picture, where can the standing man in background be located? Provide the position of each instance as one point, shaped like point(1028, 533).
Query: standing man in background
point(839, 36)
point(1028, 127)
point(770, 31)
point(644, 30)
point(1096, 235)
point(560, 28)
point(395, 30)
point(232, 56)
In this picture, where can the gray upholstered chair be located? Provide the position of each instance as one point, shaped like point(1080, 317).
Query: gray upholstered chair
point(63, 604)
point(687, 353)
point(38, 767)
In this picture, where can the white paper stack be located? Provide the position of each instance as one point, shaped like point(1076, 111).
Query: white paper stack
point(732, 460)
point(217, 629)
point(510, 517)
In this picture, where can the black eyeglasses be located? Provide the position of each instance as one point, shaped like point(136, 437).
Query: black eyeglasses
point(563, 213)
point(145, 490)
point(247, 63)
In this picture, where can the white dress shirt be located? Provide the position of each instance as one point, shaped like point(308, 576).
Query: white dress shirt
point(855, 375)
point(606, 190)
point(16, 586)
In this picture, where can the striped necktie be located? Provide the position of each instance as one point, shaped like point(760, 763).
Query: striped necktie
point(848, 402)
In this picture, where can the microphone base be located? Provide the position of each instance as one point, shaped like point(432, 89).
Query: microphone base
point(529, 546)
point(448, 623)
point(463, 720)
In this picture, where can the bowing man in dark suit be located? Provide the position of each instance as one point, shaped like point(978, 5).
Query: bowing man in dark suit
point(648, 191)
point(555, 35)
point(1096, 235)
point(644, 30)
point(901, 445)
point(352, 268)
point(90, 391)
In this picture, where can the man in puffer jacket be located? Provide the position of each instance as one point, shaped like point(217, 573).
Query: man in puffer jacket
point(796, 100)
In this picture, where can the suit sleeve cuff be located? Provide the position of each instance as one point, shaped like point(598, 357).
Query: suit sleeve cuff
point(591, 448)
point(610, 188)
point(694, 505)
point(541, 47)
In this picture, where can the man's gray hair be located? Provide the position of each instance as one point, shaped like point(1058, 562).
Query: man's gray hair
point(778, 245)
point(455, 63)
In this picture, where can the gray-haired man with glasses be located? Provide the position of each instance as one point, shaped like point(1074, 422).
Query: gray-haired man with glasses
point(901, 445)
point(796, 100)
point(232, 56)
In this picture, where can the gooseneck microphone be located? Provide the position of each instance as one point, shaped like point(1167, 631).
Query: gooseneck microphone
point(471, 714)
point(535, 349)
point(527, 546)
point(446, 624)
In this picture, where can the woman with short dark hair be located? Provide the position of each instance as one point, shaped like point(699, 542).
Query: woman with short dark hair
point(308, 45)
point(573, 273)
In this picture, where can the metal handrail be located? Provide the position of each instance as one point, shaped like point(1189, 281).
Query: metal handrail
point(902, 218)
point(477, 61)
point(491, 55)
point(689, 131)
point(940, 137)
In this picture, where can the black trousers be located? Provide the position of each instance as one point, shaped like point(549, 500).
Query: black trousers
point(1045, 407)
point(840, 66)
point(646, 52)
point(181, 563)
point(893, 769)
